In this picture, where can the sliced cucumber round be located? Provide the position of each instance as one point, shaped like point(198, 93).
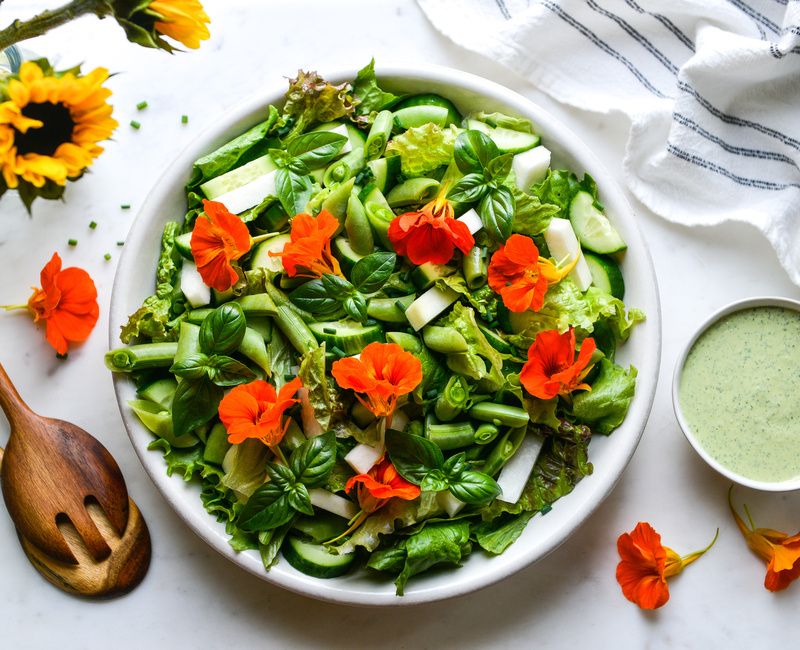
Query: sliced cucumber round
point(507, 140)
point(183, 244)
point(238, 177)
point(261, 257)
point(606, 275)
point(322, 526)
point(345, 254)
point(592, 227)
point(414, 116)
point(348, 335)
point(315, 559)
point(496, 341)
point(430, 99)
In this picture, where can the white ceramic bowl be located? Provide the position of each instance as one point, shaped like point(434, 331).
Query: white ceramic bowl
point(134, 282)
point(750, 303)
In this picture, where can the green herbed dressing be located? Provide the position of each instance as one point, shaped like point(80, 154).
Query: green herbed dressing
point(738, 392)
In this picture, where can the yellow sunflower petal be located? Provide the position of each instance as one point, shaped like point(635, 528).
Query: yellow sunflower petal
point(39, 168)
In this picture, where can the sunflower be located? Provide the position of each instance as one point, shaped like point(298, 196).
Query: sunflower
point(184, 21)
point(50, 124)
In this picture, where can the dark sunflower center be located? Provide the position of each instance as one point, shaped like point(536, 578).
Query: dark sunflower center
point(57, 129)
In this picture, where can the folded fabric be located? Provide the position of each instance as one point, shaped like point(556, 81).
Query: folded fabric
point(712, 89)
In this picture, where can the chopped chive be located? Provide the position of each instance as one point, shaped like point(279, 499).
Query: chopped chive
point(92, 225)
point(338, 352)
point(141, 106)
point(107, 257)
point(546, 508)
point(135, 124)
point(400, 306)
point(329, 330)
point(184, 119)
point(72, 242)
point(120, 243)
point(125, 206)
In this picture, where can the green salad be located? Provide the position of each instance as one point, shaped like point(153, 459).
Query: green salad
point(383, 335)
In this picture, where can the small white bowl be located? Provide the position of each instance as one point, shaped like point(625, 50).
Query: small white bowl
point(610, 455)
point(740, 305)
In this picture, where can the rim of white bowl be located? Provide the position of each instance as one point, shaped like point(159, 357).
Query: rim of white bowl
point(602, 482)
point(713, 319)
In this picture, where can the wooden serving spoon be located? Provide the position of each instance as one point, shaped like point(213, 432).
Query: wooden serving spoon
point(68, 500)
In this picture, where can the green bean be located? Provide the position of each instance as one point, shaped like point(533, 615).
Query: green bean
point(452, 435)
point(290, 323)
point(446, 340)
point(475, 268)
point(197, 316)
point(262, 325)
point(412, 192)
point(452, 399)
point(258, 304)
point(359, 232)
point(255, 349)
point(141, 356)
point(188, 341)
point(336, 202)
point(486, 433)
point(499, 414)
point(379, 214)
point(379, 135)
point(502, 452)
point(467, 364)
point(390, 310)
point(344, 168)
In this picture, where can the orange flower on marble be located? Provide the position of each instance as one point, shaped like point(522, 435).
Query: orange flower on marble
point(255, 410)
point(308, 254)
point(218, 239)
point(552, 368)
point(520, 276)
point(383, 373)
point(380, 484)
point(780, 551)
point(645, 564)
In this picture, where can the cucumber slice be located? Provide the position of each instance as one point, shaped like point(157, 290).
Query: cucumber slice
point(606, 275)
point(345, 254)
point(250, 195)
point(238, 177)
point(217, 444)
point(315, 559)
point(321, 527)
point(356, 138)
point(261, 258)
point(592, 227)
point(183, 243)
point(390, 310)
point(424, 275)
point(385, 171)
point(348, 335)
point(430, 99)
point(496, 341)
point(414, 116)
point(507, 140)
point(161, 392)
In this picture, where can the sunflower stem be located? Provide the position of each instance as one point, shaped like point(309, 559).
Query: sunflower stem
point(13, 307)
point(22, 30)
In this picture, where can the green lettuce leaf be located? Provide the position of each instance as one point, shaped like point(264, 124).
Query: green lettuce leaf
point(496, 536)
point(188, 463)
point(369, 98)
point(241, 540)
point(504, 121)
point(310, 99)
point(531, 216)
point(422, 149)
point(281, 357)
point(390, 559)
point(269, 543)
point(246, 468)
point(446, 543)
point(483, 300)
point(604, 407)
point(322, 393)
point(560, 187)
point(217, 499)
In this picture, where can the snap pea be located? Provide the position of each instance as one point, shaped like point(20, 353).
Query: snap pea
point(336, 202)
point(500, 414)
point(255, 349)
point(475, 267)
point(359, 231)
point(141, 356)
point(344, 168)
point(446, 340)
point(452, 399)
point(452, 435)
point(379, 135)
point(486, 433)
point(290, 323)
point(503, 450)
point(188, 341)
point(412, 192)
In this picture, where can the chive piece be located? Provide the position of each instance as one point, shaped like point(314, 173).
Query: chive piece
point(125, 206)
point(141, 106)
point(338, 352)
point(72, 242)
point(545, 508)
point(107, 257)
point(120, 243)
point(92, 225)
point(184, 119)
point(400, 306)
point(329, 330)
point(135, 125)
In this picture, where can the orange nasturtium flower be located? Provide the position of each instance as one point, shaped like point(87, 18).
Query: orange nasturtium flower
point(67, 303)
point(552, 369)
point(308, 254)
point(255, 410)
point(430, 235)
point(218, 238)
point(520, 276)
point(779, 550)
point(383, 373)
point(380, 484)
point(645, 566)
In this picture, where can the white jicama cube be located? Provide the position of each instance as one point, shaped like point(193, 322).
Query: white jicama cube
point(516, 472)
point(531, 166)
point(197, 292)
point(472, 220)
point(249, 195)
point(332, 503)
point(429, 305)
point(362, 457)
point(452, 506)
point(564, 247)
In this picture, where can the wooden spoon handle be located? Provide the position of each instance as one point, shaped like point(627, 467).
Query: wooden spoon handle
point(15, 408)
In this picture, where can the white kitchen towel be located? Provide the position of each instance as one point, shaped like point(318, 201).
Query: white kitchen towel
point(712, 89)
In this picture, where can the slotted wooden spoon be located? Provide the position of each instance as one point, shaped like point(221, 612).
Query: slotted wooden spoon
point(68, 500)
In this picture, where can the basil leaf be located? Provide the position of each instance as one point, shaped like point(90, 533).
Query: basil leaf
point(469, 189)
point(496, 210)
point(370, 273)
point(434, 481)
point(313, 297)
point(474, 487)
point(297, 166)
point(336, 286)
point(195, 403)
point(455, 465)
point(300, 500)
point(267, 508)
point(498, 168)
point(223, 329)
point(280, 157)
point(317, 148)
point(473, 150)
point(413, 456)
point(293, 191)
point(280, 475)
point(356, 307)
point(312, 461)
point(225, 371)
point(194, 366)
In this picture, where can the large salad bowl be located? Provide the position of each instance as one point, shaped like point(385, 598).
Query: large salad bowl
point(610, 455)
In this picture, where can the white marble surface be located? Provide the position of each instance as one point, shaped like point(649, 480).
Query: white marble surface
point(194, 598)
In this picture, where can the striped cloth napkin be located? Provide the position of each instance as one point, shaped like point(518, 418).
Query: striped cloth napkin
point(712, 89)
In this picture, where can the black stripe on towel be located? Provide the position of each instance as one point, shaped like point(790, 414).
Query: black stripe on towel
point(759, 18)
point(666, 22)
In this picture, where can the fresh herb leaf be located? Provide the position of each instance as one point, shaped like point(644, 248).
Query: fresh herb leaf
point(193, 366)
point(267, 508)
point(336, 286)
point(473, 151)
point(356, 307)
point(412, 456)
point(313, 461)
point(499, 167)
point(469, 188)
point(496, 211)
point(370, 273)
point(299, 499)
point(474, 487)
point(195, 403)
point(316, 149)
point(434, 481)
point(225, 371)
point(314, 298)
point(293, 190)
point(455, 465)
point(223, 329)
